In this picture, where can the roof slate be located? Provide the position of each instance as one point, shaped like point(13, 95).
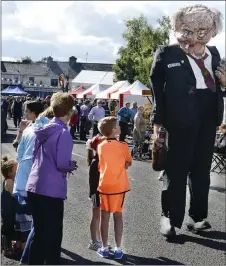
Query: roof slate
point(54, 70)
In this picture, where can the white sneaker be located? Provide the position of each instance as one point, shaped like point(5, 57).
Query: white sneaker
point(95, 245)
point(199, 226)
point(166, 229)
point(160, 178)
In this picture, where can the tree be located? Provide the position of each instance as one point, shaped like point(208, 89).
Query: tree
point(26, 60)
point(43, 60)
point(135, 58)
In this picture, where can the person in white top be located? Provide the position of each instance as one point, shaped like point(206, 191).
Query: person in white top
point(96, 113)
point(187, 81)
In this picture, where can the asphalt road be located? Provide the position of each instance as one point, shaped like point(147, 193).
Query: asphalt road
point(142, 242)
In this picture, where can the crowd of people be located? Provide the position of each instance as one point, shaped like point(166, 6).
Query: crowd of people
point(85, 117)
point(188, 85)
point(35, 185)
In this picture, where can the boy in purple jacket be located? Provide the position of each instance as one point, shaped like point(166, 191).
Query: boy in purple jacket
point(47, 183)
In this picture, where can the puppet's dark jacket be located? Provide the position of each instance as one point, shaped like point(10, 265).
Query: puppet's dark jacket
point(173, 86)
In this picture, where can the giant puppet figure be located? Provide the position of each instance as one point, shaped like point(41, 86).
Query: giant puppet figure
point(188, 88)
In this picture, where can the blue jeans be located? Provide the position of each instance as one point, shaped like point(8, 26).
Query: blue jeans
point(25, 255)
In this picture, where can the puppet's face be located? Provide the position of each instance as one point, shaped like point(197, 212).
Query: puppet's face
point(194, 28)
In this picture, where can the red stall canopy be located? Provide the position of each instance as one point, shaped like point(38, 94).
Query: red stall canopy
point(77, 91)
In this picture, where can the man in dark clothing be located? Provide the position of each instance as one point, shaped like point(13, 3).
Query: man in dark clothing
point(124, 119)
point(84, 124)
point(17, 111)
point(78, 106)
point(106, 108)
point(5, 106)
point(3, 123)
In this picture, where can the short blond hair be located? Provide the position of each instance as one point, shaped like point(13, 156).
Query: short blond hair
point(63, 102)
point(106, 125)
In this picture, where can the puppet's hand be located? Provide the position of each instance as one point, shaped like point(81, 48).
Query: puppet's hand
point(221, 74)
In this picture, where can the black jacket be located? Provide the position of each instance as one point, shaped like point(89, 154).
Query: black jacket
point(174, 88)
point(17, 109)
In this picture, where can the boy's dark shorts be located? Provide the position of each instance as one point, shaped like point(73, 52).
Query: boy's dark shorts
point(95, 200)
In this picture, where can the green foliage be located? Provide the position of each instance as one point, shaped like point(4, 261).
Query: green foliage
point(147, 110)
point(43, 60)
point(135, 58)
point(26, 60)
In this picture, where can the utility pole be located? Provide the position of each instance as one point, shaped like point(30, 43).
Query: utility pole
point(86, 56)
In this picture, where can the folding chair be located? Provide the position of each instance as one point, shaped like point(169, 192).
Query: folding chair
point(220, 163)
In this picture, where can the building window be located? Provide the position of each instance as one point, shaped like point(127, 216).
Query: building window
point(31, 80)
point(16, 78)
point(54, 82)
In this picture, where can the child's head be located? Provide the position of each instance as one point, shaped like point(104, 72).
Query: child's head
point(8, 167)
point(33, 109)
point(140, 110)
point(62, 106)
point(109, 127)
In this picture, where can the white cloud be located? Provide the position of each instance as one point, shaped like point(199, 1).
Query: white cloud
point(66, 28)
point(6, 58)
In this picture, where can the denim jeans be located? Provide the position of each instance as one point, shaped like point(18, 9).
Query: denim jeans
point(25, 255)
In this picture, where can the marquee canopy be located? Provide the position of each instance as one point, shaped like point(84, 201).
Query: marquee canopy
point(77, 91)
point(96, 88)
point(14, 90)
point(114, 88)
point(88, 78)
point(135, 89)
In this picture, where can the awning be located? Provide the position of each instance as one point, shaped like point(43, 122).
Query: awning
point(88, 78)
point(96, 88)
point(77, 91)
point(114, 88)
point(14, 90)
point(135, 89)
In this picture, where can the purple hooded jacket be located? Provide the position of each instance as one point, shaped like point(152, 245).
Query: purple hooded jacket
point(52, 159)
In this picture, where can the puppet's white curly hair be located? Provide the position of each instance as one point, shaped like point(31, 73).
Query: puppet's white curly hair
point(214, 13)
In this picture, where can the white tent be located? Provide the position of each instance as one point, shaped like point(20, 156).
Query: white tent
point(135, 89)
point(118, 85)
point(96, 88)
point(87, 78)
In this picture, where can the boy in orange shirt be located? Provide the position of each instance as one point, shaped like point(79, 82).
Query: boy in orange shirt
point(114, 159)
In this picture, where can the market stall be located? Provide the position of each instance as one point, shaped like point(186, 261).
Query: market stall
point(87, 78)
point(90, 92)
point(132, 93)
point(14, 90)
point(114, 88)
point(77, 91)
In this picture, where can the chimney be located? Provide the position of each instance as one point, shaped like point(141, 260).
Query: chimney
point(49, 61)
point(72, 60)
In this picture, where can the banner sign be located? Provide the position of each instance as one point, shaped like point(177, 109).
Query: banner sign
point(42, 89)
point(146, 93)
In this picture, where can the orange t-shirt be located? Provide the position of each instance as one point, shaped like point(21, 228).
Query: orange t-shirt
point(113, 156)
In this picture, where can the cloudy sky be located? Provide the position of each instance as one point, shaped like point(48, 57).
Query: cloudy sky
point(66, 28)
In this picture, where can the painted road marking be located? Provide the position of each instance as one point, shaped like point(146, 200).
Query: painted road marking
point(78, 155)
